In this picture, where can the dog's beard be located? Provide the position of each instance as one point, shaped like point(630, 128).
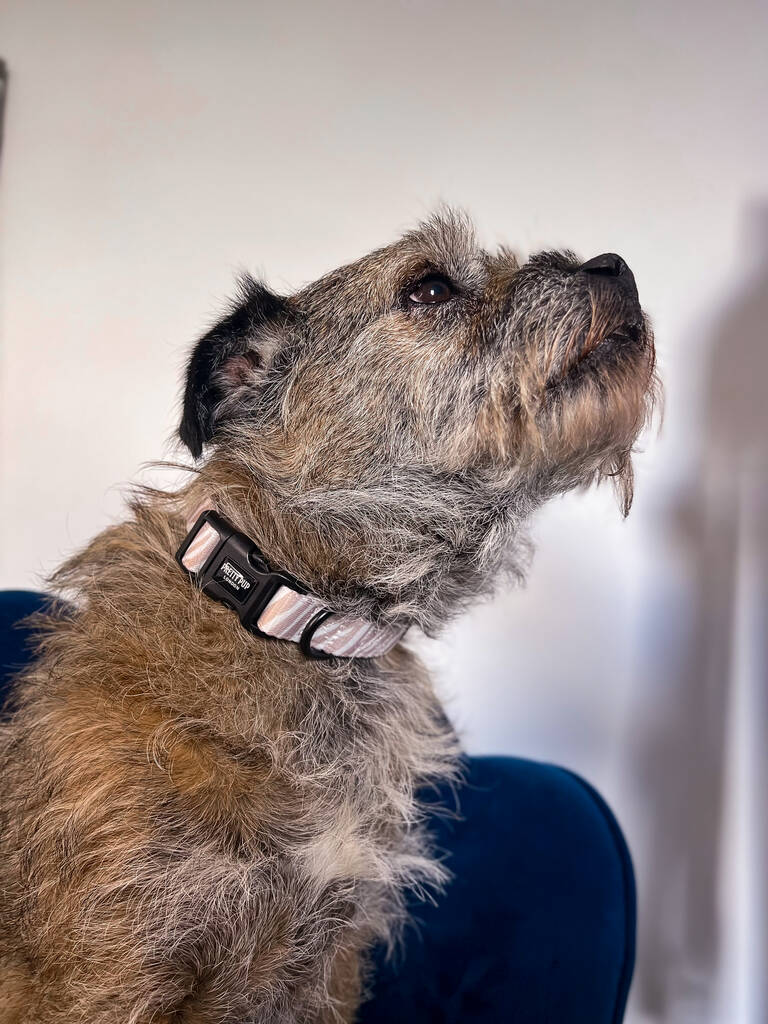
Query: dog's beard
point(585, 391)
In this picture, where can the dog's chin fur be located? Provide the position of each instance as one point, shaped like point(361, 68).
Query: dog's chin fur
point(585, 427)
point(199, 824)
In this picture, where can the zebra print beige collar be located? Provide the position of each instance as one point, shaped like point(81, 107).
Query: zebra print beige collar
point(230, 568)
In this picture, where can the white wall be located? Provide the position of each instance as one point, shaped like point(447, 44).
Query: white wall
point(152, 149)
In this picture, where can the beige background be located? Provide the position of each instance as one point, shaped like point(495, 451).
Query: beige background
point(153, 149)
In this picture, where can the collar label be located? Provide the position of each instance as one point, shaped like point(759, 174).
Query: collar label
point(234, 580)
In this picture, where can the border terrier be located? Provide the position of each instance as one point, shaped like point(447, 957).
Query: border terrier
point(210, 773)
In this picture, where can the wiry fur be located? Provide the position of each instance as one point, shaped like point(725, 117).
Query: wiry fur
point(201, 825)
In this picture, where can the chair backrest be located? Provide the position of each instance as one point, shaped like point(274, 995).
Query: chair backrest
point(15, 634)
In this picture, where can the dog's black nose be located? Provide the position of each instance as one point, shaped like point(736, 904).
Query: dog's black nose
point(612, 272)
point(608, 264)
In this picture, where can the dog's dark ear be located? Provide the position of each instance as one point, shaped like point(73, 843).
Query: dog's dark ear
point(227, 357)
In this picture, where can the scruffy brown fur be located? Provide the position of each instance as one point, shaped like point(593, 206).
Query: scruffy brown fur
point(201, 825)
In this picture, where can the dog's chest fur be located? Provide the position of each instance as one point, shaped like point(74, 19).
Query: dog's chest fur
point(240, 817)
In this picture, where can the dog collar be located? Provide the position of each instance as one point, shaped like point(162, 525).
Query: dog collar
point(230, 568)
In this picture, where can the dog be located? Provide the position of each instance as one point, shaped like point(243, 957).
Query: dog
point(210, 774)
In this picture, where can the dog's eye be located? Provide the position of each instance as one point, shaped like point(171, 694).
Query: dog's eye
point(431, 290)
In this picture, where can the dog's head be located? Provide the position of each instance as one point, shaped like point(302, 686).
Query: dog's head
point(428, 365)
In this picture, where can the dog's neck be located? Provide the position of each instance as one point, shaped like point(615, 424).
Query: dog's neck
point(158, 649)
point(398, 554)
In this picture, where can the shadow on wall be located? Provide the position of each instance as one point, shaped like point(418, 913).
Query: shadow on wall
point(720, 529)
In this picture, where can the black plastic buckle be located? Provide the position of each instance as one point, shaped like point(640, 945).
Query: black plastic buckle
point(236, 572)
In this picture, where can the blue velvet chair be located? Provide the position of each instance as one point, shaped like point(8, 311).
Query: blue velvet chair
point(538, 924)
